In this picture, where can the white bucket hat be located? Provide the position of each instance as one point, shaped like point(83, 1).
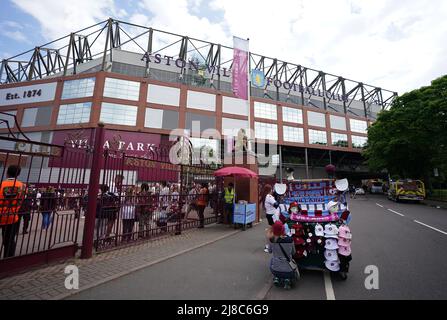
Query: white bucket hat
point(330, 229)
point(319, 231)
point(331, 244)
point(280, 188)
point(331, 255)
point(342, 185)
point(332, 265)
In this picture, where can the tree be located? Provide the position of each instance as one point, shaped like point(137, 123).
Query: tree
point(410, 139)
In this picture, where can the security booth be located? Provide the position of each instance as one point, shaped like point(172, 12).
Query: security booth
point(244, 206)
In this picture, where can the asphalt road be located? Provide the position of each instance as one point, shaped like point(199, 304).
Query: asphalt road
point(411, 258)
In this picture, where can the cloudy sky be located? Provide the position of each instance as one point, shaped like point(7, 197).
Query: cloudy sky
point(397, 45)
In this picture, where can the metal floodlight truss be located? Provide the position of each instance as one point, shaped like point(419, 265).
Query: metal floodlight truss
point(66, 54)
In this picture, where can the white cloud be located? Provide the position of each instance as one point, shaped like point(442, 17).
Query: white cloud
point(394, 45)
point(58, 18)
point(15, 35)
point(12, 30)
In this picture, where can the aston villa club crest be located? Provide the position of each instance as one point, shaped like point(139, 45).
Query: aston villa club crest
point(257, 78)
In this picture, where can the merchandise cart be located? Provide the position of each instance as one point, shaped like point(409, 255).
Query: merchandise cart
point(315, 229)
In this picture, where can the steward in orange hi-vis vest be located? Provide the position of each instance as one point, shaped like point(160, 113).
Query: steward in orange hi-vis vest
point(12, 192)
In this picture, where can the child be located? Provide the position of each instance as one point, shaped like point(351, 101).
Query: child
point(283, 249)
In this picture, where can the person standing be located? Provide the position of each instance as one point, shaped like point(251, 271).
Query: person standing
point(12, 192)
point(143, 210)
point(202, 203)
point(229, 203)
point(164, 196)
point(191, 201)
point(128, 217)
point(270, 205)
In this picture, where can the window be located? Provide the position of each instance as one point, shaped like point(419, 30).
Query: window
point(163, 95)
point(33, 117)
point(338, 122)
point(265, 110)
point(316, 119)
point(292, 115)
point(74, 113)
point(9, 119)
point(230, 127)
point(199, 144)
point(199, 122)
point(201, 101)
point(339, 139)
point(268, 131)
point(317, 137)
point(358, 125)
point(293, 134)
point(234, 106)
point(121, 89)
point(358, 142)
point(118, 114)
point(78, 88)
point(161, 119)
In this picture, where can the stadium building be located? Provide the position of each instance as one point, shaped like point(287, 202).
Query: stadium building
point(143, 82)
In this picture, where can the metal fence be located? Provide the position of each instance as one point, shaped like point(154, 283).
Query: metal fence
point(40, 207)
point(132, 199)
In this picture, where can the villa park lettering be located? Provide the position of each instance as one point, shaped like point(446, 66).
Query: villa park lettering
point(215, 70)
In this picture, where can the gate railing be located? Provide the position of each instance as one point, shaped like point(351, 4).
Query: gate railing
point(49, 209)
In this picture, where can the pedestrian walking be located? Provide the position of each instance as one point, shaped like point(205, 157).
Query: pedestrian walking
point(12, 192)
point(48, 206)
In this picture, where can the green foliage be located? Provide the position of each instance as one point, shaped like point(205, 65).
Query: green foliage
point(410, 139)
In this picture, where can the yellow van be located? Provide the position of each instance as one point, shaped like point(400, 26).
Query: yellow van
point(406, 190)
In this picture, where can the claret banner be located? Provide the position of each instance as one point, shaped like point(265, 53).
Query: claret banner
point(240, 68)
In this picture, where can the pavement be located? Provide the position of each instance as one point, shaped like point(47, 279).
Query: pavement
point(49, 282)
point(435, 203)
point(405, 242)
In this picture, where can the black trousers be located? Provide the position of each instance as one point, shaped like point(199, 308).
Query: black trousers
point(9, 235)
point(270, 219)
point(201, 215)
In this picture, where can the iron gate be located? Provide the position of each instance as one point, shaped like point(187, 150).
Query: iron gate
point(49, 210)
point(146, 197)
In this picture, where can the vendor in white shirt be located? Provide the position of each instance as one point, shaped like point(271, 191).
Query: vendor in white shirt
point(269, 204)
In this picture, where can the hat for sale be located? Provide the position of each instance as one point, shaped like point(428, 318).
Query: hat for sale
point(300, 252)
point(319, 231)
point(331, 244)
point(330, 229)
point(299, 241)
point(331, 236)
point(345, 232)
point(280, 188)
point(342, 242)
point(342, 185)
point(344, 251)
point(332, 265)
point(331, 255)
point(278, 228)
point(332, 206)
